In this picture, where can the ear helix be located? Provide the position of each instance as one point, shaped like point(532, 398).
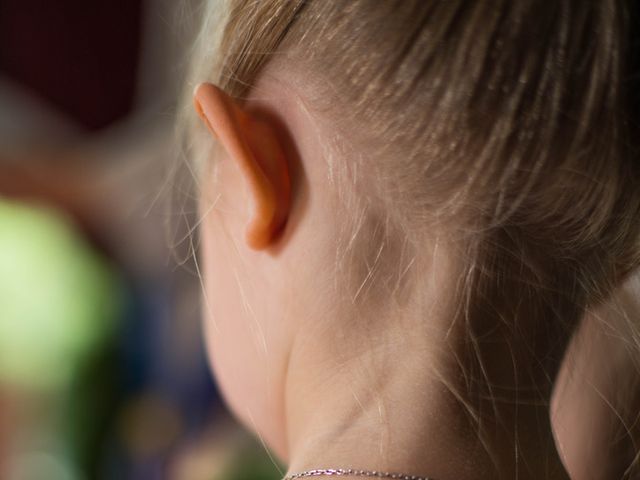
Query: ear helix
point(233, 128)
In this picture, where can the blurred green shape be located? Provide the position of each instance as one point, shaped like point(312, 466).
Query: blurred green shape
point(59, 299)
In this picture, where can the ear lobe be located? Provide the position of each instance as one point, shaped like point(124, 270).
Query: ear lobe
point(254, 145)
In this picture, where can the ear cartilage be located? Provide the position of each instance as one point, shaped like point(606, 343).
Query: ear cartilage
point(204, 118)
point(249, 142)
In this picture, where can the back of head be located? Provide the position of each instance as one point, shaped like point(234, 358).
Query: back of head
point(509, 126)
point(508, 122)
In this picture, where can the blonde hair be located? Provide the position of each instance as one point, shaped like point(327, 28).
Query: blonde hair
point(510, 120)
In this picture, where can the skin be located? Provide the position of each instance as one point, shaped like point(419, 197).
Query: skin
point(323, 384)
point(595, 406)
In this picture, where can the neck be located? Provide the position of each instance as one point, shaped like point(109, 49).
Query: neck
point(409, 407)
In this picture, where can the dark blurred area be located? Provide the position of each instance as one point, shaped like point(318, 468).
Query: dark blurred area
point(81, 56)
point(103, 373)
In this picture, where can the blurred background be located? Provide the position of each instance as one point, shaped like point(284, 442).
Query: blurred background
point(102, 368)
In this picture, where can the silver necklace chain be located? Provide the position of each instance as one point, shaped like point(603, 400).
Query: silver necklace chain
point(354, 473)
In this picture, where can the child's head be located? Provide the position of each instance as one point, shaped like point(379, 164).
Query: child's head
point(408, 176)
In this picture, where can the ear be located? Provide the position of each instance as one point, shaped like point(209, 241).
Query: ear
point(253, 144)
